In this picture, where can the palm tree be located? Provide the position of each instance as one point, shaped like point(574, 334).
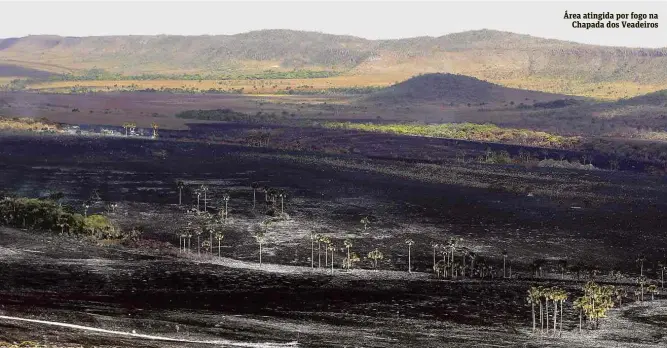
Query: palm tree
point(259, 236)
point(580, 303)
point(266, 190)
point(126, 125)
point(464, 252)
point(642, 281)
point(662, 265)
point(559, 297)
point(533, 297)
point(211, 232)
point(375, 255)
point(409, 242)
point(204, 189)
point(434, 245)
point(453, 245)
point(225, 198)
point(365, 221)
point(653, 289)
point(155, 127)
point(254, 185)
point(198, 197)
point(313, 236)
point(547, 293)
point(62, 223)
point(540, 293)
point(219, 236)
point(86, 205)
point(180, 186)
point(331, 247)
point(445, 253)
point(640, 260)
point(206, 245)
point(348, 245)
point(182, 237)
point(504, 260)
point(198, 232)
point(282, 194)
point(620, 293)
point(189, 240)
point(319, 257)
point(327, 242)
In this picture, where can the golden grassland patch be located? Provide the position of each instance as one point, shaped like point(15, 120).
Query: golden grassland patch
point(601, 91)
point(268, 86)
point(24, 124)
point(5, 80)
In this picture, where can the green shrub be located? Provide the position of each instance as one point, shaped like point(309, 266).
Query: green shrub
point(45, 214)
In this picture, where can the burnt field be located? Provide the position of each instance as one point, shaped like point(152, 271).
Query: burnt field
point(594, 220)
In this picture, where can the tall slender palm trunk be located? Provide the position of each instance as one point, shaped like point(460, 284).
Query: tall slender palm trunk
point(555, 316)
point(541, 318)
point(312, 253)
point(409, 268)
point(533, 311)
point(319, 255)
point(546, 313)
point(561, 317)
point(218, 247)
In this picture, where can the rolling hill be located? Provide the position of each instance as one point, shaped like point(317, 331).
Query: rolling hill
point(505, 58)
point(455, 89)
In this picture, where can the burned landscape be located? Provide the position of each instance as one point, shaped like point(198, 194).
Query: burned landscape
point(597, 221)
point(283, 188)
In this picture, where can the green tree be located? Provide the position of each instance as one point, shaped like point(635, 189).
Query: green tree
point(375, 255)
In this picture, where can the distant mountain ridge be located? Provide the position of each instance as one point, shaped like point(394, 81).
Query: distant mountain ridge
point(502, 57)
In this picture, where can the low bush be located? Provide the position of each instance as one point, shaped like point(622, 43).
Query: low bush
point(45, 214)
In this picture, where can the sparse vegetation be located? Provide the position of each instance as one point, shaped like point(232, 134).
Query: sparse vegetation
point(466, 131)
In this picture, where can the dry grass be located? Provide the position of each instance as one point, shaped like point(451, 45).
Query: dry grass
point(25, 124)
point(249, 86)
point(601, 91)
